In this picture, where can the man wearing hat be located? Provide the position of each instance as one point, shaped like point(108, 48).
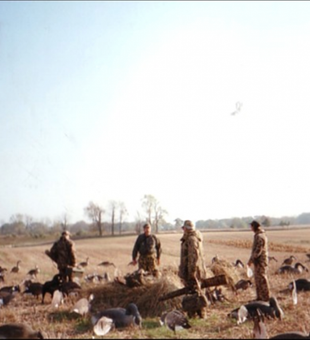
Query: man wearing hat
point(148, 247)
point(259, 258)
point(192, 268)
point(63, 253)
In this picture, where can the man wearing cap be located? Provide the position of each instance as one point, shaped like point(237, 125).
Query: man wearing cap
point(192, 268)
point(259, 258)
point(63, 253)
point(148, 247)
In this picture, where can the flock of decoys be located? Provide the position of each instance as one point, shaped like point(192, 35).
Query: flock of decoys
point(119, 317)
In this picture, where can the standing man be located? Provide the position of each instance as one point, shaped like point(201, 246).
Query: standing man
point(259, 258)
point(149, 249)
point(63, 253)
point(192, 268)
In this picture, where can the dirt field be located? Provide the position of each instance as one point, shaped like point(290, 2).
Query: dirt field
point(227, 245)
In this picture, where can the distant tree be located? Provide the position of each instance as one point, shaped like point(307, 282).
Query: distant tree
point(138, 223)
point(113, 206)
point(266, 221)
point(122, 213)
point(154, 212)
point(178, 223)
point(159, 215)
point(148, 202)
point(95, 212)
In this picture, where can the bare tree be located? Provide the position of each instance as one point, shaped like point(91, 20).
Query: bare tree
point(122, 213)
point(159, 214)
point(139, 221)
point(113, 206)
point(95, 212)
point(148, 202)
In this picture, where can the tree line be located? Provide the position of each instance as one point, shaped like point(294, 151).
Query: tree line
point(117, 224)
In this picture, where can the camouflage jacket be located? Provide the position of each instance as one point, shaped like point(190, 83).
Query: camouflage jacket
point(63, 253)
point(259, 255)
point(147, 245)
point(192, 262)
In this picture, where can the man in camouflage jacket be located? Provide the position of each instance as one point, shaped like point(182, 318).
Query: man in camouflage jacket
point(259, 258)
point(63, 253)
point(148, 247)
point(192, 268)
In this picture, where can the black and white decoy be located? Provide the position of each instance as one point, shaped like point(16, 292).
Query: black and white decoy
point(34, 272)
point(289, 260)
point(302, 285)
point(269, 310)
point(243, 284)
point(298, 268)
point(174, 320)
point(121, 317)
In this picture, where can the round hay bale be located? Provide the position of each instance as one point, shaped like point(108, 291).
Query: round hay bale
point(223, 267)
point(113, 294)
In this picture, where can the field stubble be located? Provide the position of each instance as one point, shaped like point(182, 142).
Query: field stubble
point(227, 245)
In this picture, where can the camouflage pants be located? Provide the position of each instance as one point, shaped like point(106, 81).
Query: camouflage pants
point(66, 273)
point(261, 283)
point(148, 263)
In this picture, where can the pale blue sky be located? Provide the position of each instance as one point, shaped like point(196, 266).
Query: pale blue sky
point(105, 101)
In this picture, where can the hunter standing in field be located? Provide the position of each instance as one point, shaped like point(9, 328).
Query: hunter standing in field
point(192, 268)
point(63, 253)
point(148, 247)
point(259, 258)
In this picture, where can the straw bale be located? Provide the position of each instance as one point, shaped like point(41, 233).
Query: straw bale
point(223, 267)
point(114, 294)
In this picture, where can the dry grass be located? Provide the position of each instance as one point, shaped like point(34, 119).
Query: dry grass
point(228, 246)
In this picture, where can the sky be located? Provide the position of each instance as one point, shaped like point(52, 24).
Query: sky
point(203, 105)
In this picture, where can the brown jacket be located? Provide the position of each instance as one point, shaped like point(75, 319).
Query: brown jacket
point(63, 253)
point(259, 255)
point(192, 263)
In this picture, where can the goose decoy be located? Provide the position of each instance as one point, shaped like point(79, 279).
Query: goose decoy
point(302, 285)
point(18, 331)
point(16, 268)
point(297, 269)
point(238, 264)
point(308, 256)
point(294, 293)
point(6, 297)
point(82, 306)
point(83, 264)
point(259, 330)
point(269, 310)
point(174, 320)
point(103, 326)
point(289, 260)
point(57, 299)
point(2, 270)
point(243, 284)
point(121, 317)
point(34, 272)
point(272, 258)
point(106, 264)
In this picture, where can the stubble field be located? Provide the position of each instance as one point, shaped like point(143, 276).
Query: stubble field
point(61, 323)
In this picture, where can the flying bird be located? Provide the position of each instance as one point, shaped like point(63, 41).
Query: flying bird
point(238, 108)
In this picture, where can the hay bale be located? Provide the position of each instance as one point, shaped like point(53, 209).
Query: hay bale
point(113, 294)
point(223, 267)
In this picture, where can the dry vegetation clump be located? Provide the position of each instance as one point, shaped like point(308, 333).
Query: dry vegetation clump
point(114, 294)
point(223, 267)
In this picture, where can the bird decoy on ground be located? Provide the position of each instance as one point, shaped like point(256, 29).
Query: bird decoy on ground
point(103, 326)
point(292, 335)
point(2, 270)
point(294, 293)
point(272, 258)
point(259, 330)
point(16, 268)
point(34, 272)
point(289, 260)
point(269, 310)
point(107, 264)
point(58, 299)
point(84, 264)
point(243, 285)
point(238, 264)
point(174, 320)
point(18, 331)
point(1, 277)
point(302, 285)
point(33, 288)
point(10, 289)
point(308, 256)
point(83, 305)
point(121, 317)
point(298, 268)
point(6, 297)
point(95, 278)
